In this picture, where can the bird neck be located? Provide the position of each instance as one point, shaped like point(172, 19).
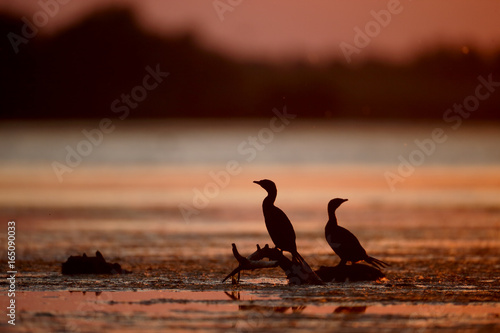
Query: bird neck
point(271, 197)
point(332, 218)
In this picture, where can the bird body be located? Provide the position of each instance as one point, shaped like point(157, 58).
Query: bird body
point(277, 223)
point(343, 242)
point(279, 227)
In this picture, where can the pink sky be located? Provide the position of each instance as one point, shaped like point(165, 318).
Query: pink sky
point(279, 29)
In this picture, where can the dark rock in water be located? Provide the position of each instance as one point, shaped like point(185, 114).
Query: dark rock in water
point(355, 272)
point(90, 265)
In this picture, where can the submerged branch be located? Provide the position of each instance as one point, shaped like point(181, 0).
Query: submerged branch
point(252, 262)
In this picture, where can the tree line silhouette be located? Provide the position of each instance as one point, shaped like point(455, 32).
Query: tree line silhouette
point(78, 72)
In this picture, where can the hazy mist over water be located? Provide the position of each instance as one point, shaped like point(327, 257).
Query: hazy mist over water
point(198, 142)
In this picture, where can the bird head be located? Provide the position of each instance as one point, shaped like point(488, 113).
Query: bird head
point(335, 203)
point(266, 184)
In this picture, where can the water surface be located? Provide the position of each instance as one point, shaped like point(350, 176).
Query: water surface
point(439, 228)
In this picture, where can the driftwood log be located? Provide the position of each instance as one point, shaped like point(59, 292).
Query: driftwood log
point(296, 273)
point(301, 273)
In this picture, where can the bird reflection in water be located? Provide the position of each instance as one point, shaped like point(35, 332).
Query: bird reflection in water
point(235, 296)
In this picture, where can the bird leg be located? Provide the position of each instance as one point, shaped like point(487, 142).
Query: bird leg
point(342, 262)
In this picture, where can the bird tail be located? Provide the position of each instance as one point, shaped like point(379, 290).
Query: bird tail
point(376, 262)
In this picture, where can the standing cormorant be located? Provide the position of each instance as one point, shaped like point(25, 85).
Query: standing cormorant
point(343, 242)
point(278, 225)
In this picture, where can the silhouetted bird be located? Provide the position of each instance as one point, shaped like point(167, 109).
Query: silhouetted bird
point(343, 242)
point(278, 225)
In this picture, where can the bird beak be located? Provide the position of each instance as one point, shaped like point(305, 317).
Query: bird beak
point(345, 200)
point(256, 182)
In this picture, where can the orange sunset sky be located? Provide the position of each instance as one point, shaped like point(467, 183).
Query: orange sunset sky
point(314, 30)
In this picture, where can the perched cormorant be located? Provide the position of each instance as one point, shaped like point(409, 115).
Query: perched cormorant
point(278, 225)
point(343, 242)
